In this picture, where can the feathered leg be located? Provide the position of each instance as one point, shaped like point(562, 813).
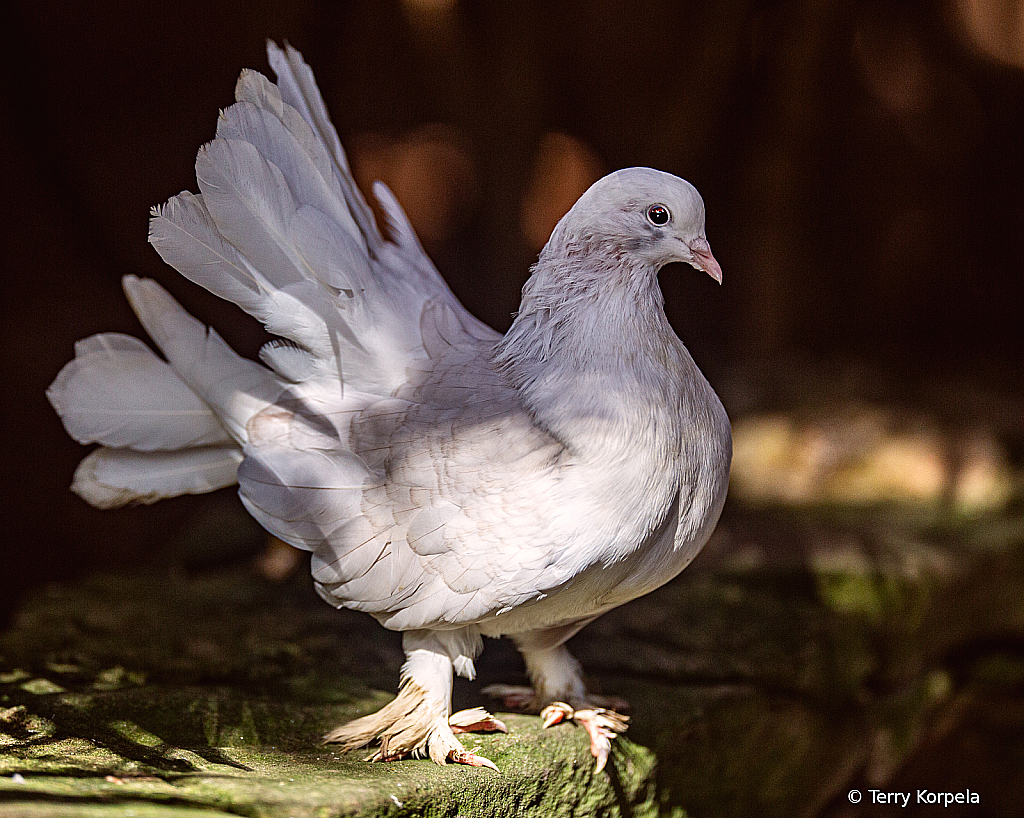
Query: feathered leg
point(419, 721)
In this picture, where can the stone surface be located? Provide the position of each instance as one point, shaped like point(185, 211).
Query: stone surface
point(207, 695)
point(806, 652)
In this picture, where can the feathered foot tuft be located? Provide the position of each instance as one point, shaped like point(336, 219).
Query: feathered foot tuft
point(476, 720)
point(415, 725)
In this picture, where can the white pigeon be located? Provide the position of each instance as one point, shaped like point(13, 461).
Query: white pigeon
point(451, 482)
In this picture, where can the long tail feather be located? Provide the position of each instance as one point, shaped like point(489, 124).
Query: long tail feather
point(118, 393)
point(299, 89)
point(185, 236)
point(110, 478)
point(234, 387)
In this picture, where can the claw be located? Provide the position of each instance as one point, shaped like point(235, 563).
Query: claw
point(383, 753)
point(471, 759)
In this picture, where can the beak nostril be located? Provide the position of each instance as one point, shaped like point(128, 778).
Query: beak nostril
point(703, 259)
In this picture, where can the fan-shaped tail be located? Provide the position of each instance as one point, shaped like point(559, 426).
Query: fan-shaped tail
point(280, 229)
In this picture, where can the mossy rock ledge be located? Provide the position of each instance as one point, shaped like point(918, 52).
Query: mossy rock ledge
point(804, 654)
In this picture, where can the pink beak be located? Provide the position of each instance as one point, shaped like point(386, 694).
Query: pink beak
point(703, 260)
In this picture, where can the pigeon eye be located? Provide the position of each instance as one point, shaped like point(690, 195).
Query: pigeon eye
point(658, 215)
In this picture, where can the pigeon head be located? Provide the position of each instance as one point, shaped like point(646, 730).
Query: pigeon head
point(652, 217)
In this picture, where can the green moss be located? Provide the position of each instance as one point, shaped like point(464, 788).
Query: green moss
point(759, 686)
point(256, 754)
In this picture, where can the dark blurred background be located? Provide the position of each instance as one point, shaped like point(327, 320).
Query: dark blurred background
point(861, 162)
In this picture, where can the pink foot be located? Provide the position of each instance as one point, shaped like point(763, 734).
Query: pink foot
point(602, 726)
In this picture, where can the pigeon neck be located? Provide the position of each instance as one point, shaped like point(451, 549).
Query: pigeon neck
point(582, 303)
point(591, 346)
